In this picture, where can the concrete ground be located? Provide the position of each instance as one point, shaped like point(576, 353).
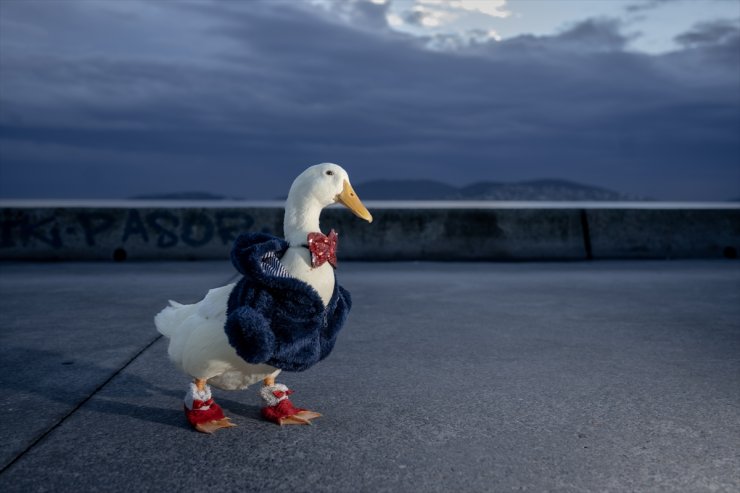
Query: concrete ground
point(581, 376)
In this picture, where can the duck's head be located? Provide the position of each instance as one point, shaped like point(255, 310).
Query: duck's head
point(325, 184)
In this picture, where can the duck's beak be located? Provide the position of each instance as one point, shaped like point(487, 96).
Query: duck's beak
point(349, 198)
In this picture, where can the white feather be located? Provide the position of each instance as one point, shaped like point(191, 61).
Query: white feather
point(199, 346)
point(297, 261)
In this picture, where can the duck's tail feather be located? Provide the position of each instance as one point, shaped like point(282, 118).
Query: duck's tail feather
point(168, 320)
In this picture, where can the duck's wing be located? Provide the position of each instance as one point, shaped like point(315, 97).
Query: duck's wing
point(214, 305)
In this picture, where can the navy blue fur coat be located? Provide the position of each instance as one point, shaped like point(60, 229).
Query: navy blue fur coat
point(275, 319)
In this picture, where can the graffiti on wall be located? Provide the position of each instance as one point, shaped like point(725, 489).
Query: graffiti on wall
point(161, 228)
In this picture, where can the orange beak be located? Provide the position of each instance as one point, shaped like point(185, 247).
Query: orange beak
point(349, 198)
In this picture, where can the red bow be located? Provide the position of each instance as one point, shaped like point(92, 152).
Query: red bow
point(281, 393)
point(323, 248)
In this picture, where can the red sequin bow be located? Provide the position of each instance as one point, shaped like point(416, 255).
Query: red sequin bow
point(323, 248)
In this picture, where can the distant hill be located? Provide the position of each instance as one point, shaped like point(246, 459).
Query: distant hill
point(406, 190)
point(540, 190)
point(524, 190)
point(182, 196)
point(533, 190)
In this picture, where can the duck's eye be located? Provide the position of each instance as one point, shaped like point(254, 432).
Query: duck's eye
point(330, 173)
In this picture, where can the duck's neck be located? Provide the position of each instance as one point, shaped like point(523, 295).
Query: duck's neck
point(301, 217)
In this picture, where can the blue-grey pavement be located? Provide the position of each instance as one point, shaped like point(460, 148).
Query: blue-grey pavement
point(576, 376)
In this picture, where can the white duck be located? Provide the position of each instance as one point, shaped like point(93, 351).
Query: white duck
point(198, 344)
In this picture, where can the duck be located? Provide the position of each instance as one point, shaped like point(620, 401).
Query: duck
point(283, 314)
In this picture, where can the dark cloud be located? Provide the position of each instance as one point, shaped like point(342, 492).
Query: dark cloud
point(588, 36)
point(711, 33)
point(236, 98)
point(414, 17)
point(646, 5)
point(593, 34)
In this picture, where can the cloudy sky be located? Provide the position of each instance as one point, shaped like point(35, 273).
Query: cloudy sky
point(113, 98)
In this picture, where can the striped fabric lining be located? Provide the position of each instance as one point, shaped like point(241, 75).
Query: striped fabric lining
point(272, 266)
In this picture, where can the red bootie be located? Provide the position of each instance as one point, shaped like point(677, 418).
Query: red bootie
point(280, 410)
point(202, 412)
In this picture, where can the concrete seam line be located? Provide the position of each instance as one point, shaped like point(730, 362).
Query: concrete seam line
point(78, 406)
point(586, 235)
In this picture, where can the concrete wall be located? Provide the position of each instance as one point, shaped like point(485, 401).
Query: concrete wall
point(669, 233)
point(398, 233)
